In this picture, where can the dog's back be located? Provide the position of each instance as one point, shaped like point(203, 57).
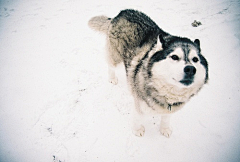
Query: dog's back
point(127, 31)
point(135, 28)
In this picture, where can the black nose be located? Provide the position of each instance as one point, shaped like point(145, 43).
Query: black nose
point(190, 70)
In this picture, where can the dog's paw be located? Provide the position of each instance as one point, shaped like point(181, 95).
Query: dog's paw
point(139, 131)
point(113, 80)
point(166, 132)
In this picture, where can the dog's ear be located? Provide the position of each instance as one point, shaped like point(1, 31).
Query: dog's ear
point(197, 42)
point(160, 42)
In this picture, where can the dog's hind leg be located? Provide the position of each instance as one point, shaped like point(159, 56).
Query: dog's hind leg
point(165, 126)
point(113, 59)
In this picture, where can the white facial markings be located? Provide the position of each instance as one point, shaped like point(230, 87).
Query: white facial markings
point(199, 77)
point(193, 56)
point(171, 70)
point(177, 52)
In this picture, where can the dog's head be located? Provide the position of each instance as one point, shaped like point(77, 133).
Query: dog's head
point(178, 62)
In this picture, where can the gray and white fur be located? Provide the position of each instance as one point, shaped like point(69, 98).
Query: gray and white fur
point(163, 71)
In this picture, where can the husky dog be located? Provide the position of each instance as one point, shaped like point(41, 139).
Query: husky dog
point(163, 71)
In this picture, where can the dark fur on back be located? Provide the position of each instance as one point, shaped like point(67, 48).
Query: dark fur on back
point(142, 31)
point(145, 30)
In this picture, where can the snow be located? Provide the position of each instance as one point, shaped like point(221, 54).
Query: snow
point(57, 105)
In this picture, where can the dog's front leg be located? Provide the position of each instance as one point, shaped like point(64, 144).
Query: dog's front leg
point(137, 120)
point(165, 126)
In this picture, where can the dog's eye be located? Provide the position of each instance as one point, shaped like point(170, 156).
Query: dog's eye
point(175, 57)
point(195, 59)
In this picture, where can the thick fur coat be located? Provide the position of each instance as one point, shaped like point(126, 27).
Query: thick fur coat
point(163, 71)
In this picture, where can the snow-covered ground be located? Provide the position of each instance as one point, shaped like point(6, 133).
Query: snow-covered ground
point(57, 105)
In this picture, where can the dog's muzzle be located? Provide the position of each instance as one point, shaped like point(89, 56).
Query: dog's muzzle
point(189, 72)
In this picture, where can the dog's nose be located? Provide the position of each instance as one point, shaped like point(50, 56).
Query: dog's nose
point(190, 70)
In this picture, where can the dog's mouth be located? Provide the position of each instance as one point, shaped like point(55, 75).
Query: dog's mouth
point(186, 82)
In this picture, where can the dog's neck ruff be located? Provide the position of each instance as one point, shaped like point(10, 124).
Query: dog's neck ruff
point(171, 97)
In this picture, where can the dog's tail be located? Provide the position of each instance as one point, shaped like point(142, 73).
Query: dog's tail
point(100, 23)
